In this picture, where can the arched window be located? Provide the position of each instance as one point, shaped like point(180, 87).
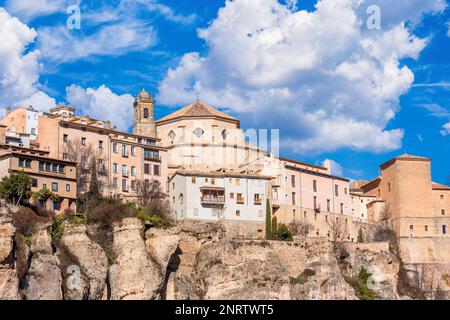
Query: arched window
point(146, 113)
point(198, 132)
point(181, 198)
point(224, 134)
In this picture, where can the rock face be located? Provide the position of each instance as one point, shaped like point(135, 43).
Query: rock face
point(9, 283)
point(257, 270)
point(377, 260)
point(43, 280)
point(85, 264)
point(133, 276)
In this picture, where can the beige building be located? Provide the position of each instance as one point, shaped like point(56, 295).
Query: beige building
point(417, 207)
point(48, 173)
point(200, 137)
point(122, 158)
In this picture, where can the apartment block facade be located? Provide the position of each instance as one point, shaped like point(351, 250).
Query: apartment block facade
point(221, 196)
point(52, 174)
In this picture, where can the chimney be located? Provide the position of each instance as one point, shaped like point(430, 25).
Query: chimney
point(8, 111)
point(327, 165)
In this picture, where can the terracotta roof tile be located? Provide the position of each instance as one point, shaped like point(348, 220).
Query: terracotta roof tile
point(197, 109)
point(437, 186)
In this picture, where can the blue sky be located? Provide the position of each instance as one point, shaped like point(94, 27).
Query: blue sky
point(334, 88)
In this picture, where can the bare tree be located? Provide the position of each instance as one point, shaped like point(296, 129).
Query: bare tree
point(338, 233)
point(301, 228)
point(86, 156)
point(384, 228)
point(151, 197)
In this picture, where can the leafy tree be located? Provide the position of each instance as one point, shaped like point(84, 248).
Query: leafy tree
point(283, 233)
point(16, 187)
point(44, 195)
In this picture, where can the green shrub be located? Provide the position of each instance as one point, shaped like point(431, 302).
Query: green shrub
point(360, 285)
point(57, 228)
point(283, 233)
point(159, 221)
point(360, 236)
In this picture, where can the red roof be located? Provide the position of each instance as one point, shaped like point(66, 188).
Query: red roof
point(437, 186)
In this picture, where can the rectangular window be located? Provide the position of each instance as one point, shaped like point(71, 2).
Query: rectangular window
point(54, 167)
point(336, 190)
point(133, 185)
point(133, 171)
point(133, 151)
point(115, 148)
point(240, 199)
point(41, 166)
point(146, 168)
point(68, 187)
point(156, 170)
point(83, 141)
point(44, 186)
point(257, 199)
point(56, 205)
point(65, 138)
point(328, 205)
point(115, 168)
point(48, 166)
point(61, 168)
point(100, 144)
point(34, 183)
point(293, 181)
point(444, 229)
point(151, 154)
point(193, 180)
point(27, 163)
point(54, 187)
point(293, 198)
point(124, 150)
point(65, 156)
point(411, 227)
point(238, 213)
point(232, 195)
point(213, 181)
point(426, 228)
point(315, 185)
point(315, 203)
point(124, 184)
point(21, 161)
point(124, 170)
point(443, 212)
point(342, 208)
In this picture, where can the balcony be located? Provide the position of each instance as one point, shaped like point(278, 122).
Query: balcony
point(240, 201)
point(152, 158)
point(125, 154)
point(212, 196)
point(125, 173)
point(257, 202)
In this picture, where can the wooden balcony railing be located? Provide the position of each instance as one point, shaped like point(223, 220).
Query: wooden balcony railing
point(212, 200)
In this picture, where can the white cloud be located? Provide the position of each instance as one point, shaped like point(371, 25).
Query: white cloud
point(19, 69)
point(445, 131)
point(59, 44)
point(29, 9)
point(321, 76)
point(102, 103)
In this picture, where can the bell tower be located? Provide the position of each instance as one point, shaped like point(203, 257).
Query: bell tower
point(144, 122)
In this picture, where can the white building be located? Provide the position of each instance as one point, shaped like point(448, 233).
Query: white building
point(210, 196)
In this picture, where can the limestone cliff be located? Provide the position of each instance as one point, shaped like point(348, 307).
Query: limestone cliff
point(199, 262)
